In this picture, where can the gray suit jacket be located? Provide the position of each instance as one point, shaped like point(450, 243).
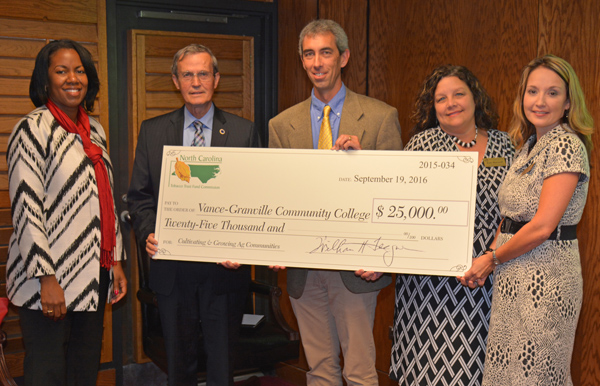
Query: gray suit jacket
point(377, 128)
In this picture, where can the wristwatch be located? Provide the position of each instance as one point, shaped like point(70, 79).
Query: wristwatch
point(494, 258)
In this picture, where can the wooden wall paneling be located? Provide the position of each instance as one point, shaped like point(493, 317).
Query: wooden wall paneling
point(35, 29)
point(58, 10)
point(570, 29)
point(352, 16)
point(226, 84)
point(407, 41)
point(294, 85)
point(101, 106)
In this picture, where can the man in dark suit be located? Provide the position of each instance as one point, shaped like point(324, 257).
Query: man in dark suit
point(335, 308)
point(188, 292)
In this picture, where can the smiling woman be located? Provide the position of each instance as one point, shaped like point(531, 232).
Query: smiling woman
point(538, 285)
point(66, 243)
point(67, 80)
point(546, 99)
point(440, 327)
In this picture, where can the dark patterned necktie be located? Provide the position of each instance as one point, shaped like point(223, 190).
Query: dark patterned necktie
point(199, 134)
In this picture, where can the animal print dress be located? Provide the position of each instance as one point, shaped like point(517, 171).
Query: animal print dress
point(537, 296)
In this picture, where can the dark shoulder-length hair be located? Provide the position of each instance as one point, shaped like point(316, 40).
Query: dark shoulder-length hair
point(424, 115)
point(38, 87)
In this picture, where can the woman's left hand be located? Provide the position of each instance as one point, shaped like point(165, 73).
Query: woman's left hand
point(119, 284)
point(480, 270)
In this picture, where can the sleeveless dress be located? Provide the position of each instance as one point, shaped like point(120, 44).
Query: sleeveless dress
point(440, 327)
point(537, 296)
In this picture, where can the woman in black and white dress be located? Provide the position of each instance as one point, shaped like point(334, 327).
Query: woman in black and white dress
point(440, 326)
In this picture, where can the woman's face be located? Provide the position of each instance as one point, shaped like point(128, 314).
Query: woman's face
point(454, 105)
point(545, 99)
point(67, 81)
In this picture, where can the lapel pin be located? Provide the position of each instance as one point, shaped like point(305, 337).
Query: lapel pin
point(222, 131)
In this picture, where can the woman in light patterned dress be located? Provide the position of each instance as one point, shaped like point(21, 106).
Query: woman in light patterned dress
point(440, 327)
point(538, 285)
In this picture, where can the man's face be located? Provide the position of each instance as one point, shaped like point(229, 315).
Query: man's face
point(196, 82)
point(323, 64)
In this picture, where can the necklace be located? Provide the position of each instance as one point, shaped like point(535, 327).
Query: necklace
point(465, 144)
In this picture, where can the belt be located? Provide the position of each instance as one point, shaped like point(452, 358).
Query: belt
point(564, 232)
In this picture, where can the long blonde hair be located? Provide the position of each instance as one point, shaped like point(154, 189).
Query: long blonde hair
point(577, 117)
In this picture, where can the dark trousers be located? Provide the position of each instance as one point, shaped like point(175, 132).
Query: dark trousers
point(63, 352)
point(193, 300)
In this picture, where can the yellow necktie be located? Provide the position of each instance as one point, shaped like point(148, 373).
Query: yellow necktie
point(325, 139)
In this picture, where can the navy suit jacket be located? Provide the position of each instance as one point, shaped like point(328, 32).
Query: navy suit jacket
point(228, 131)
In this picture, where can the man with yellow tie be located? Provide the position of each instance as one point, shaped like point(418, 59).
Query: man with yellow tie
point(335, 308)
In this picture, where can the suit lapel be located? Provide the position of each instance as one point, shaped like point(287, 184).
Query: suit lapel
point(219, 132)
point(300, 135)
point(175, 132)
point(352, 113)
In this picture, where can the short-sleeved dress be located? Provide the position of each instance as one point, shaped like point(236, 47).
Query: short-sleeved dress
point(440, 327)
point(537, 296)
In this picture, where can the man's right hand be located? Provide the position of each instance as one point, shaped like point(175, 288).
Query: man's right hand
point(151, 245)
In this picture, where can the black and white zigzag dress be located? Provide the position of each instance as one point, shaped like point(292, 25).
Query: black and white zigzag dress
point(440, 326)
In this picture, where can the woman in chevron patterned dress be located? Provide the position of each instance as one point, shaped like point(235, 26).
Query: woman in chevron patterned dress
point(440, 327)
point(538, 286)
point(66, 246)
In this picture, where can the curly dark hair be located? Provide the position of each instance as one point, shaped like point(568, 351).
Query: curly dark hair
point(424, 115)
point(38, 87)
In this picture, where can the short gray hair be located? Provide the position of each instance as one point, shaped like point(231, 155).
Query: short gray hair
point(322, 26)
point(193, 49)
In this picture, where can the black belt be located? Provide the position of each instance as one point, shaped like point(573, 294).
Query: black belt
point(564, 232)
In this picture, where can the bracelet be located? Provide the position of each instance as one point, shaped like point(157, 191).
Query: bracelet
point(494, 258)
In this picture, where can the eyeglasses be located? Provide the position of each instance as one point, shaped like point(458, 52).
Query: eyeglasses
point(202, 75)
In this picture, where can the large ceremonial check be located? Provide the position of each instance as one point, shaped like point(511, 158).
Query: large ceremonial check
point(385, 211)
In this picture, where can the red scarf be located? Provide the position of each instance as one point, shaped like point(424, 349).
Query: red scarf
point(107, 209)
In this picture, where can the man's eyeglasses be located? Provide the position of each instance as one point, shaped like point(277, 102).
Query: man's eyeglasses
point(202, 75)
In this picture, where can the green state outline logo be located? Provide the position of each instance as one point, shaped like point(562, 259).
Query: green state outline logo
point(186, 170)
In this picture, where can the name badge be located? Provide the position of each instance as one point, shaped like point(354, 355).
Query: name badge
point(494, 162)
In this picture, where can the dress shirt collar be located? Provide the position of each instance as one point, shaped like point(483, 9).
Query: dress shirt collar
point(189, 129)
point(336, 103)
point(207, 119)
